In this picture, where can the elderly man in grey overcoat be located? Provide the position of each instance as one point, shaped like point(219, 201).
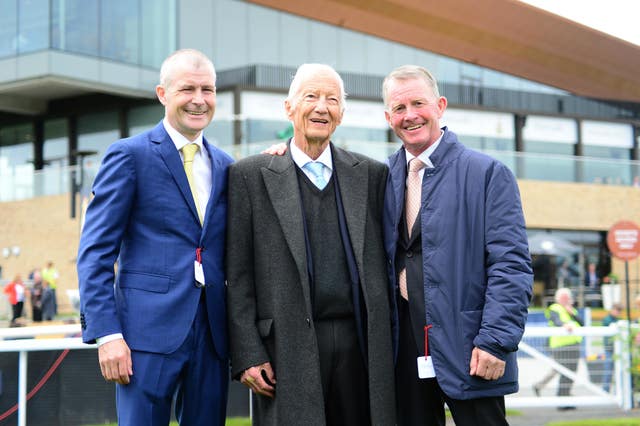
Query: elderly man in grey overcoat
point(308, 302)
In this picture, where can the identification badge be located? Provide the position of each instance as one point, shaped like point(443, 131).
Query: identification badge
point(199, 272)
point(425, 367)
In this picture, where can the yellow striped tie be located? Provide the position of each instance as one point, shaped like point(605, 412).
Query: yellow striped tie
point(188, 152)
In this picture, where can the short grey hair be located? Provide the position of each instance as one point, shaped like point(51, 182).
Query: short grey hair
point(409, 72)
point(306, 71)
point(562, 292)
point(191, 57)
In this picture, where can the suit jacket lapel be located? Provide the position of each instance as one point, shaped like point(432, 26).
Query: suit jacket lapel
point(216, 176)
point(351, 173)
point(171, 158)
point(281, 181)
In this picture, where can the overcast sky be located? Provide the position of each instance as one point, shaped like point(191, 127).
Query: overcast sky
point(620, 18)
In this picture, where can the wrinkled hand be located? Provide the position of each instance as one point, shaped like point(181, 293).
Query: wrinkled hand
point(278, 149)
point(485, 365)
point(115, 361)
point(254, 378)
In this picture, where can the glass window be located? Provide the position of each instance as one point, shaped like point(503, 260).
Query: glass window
point(33, 25)
point(266, 130)
point(158, 31)
point(8, 27)
point(144, 118)
point(220, 130)
point(119, 30)
point(56, 143)
point(16, 162)
point(16, 144)
point(97, 131)
point(481, 143)
point(75, 26)
point(601, 165)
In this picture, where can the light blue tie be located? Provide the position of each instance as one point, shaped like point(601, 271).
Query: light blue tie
point(316, 170)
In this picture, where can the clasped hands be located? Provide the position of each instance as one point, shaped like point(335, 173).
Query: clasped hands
point(260, 379)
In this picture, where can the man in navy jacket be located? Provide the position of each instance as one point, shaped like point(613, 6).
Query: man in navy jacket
point(467, 266)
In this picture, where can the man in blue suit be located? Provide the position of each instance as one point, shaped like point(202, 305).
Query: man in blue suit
point(159, 211)
point(455, 232)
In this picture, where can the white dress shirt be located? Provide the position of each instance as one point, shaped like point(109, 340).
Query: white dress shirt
point(424, 156)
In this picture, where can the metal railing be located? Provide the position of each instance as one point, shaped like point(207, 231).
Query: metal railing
point(534, 353)
point(22, 182)
point(24, 340)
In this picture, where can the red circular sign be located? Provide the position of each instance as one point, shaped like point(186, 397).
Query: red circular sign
point(623, 240)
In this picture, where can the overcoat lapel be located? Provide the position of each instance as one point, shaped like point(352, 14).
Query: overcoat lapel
point(398, 171)
point(351, 173)
point(281, 181)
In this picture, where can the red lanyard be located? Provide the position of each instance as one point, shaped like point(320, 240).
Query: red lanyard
point(426, 339)
point(199, 254)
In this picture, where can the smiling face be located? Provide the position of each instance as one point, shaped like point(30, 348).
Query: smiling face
point(315, 110)
point(413, 111)
point(189, 98)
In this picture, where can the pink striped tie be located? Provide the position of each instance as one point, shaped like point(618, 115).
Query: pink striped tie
point(413, 199)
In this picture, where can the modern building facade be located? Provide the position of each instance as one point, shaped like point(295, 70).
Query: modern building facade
point(75, 75)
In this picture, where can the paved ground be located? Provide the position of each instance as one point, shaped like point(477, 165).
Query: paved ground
point(542, 416)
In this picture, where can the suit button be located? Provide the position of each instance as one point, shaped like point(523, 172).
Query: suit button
point(409, 253)
point(308, 323)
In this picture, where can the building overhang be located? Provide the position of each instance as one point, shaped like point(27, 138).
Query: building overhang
point(28, 83)
point(504, 35)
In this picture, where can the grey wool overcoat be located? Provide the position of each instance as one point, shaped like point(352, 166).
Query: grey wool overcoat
point(269, 305)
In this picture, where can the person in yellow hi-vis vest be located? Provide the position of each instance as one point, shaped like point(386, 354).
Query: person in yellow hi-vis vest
point(50, 275)
point(564, 349)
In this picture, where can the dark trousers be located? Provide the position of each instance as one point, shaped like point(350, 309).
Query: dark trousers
point(17, 310)
point(36, 313)
point(421, 401)
point(193, 374)
point(343, 373)
point(567, 356)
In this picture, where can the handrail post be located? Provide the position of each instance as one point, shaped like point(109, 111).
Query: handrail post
point(22, 389)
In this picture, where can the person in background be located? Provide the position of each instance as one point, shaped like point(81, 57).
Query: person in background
point(48, 306)
point(159, 210)
point(36, 296)
point(15, 292)
point(461, 269)
point(612, 317)
point(307, 288)
point(565, 349)
point(50, 275)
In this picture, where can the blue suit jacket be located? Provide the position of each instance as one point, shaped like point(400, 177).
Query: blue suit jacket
point(143, 215)
point(476, 266)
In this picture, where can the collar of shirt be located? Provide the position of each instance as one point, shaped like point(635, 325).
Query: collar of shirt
point(179, 140)
point(300, 158)
point(424, 155)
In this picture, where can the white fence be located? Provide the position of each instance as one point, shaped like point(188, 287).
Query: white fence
point(534, 361)
point(26, 339)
